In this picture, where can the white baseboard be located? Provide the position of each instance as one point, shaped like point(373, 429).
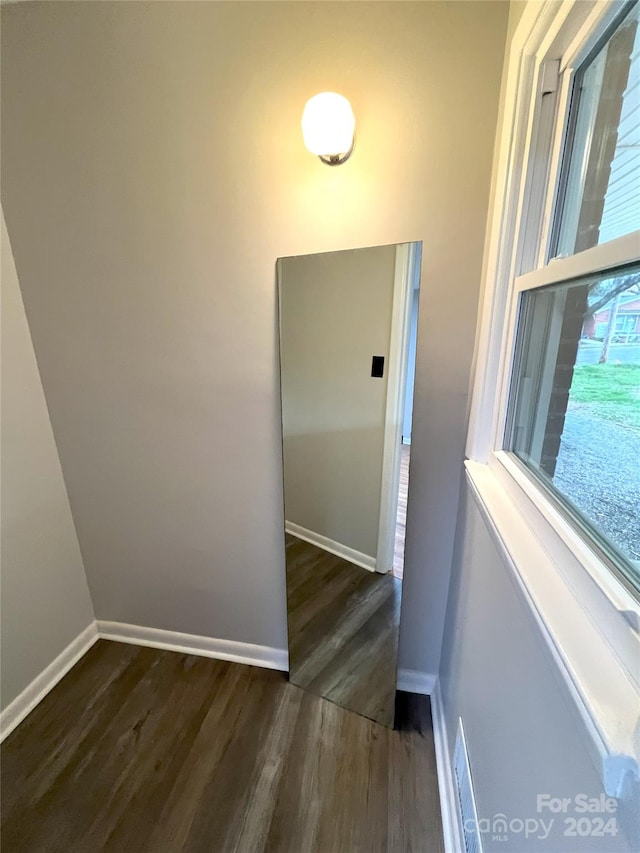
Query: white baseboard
point(35, 692)
point(158, 638)
point(248, 653)
point(451, 828)
point(193, 644)
point(416, 682)
point(349, 554)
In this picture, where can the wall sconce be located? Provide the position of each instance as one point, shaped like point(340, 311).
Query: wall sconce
point(328, 127)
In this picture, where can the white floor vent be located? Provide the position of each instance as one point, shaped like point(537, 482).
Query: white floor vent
point(466, 800)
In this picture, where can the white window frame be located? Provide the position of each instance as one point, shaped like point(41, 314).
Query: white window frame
point(590, 620)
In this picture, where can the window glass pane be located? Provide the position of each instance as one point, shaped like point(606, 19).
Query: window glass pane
point(575, 405)
point(601, 200)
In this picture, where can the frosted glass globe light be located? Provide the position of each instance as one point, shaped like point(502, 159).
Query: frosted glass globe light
point(328, 126)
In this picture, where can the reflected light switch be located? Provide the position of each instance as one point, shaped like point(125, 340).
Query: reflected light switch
point(377, 366)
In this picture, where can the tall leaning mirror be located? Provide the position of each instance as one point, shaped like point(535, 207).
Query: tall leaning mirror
point(348, 323)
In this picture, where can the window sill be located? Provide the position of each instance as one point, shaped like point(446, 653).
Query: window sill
point(587, 620)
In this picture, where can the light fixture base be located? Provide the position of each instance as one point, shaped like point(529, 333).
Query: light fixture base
point(338, 159)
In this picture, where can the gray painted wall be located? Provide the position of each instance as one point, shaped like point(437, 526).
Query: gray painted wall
point(152, 172)
point(335, 313)
point(45, 599)
point(524, 733)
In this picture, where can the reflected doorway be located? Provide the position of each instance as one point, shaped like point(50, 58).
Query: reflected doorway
point(401, 517)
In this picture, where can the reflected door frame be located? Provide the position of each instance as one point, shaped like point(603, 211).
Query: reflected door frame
point(407, 258)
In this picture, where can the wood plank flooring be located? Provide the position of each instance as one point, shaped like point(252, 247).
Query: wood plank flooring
point(343, 630)
point(142, 750)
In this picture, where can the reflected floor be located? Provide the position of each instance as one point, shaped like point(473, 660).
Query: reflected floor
point(343, 630)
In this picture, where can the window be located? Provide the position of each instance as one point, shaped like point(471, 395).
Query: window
point(554, 435)
point(575, 406)
point(601, 199)
point(573, 415)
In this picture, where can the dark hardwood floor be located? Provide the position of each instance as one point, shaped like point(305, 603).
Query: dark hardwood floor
point(143, 750)
point(343, 630)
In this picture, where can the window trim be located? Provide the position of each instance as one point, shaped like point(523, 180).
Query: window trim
point(551, 40)
point(620, 252)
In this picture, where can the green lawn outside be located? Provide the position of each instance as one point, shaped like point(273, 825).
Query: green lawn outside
point(612, 391)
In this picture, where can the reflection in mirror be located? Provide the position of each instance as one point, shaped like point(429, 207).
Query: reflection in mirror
point(348, 324)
